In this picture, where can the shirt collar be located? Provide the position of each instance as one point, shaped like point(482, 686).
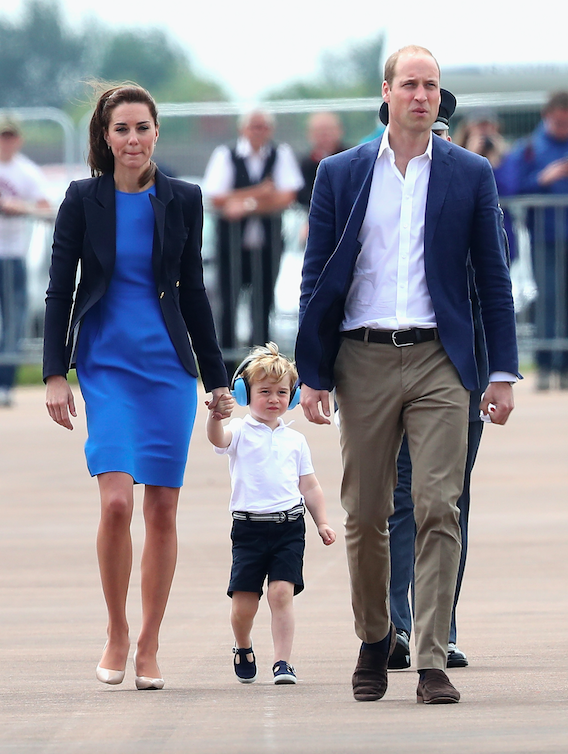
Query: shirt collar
point(254, 423)
point(385, 147)
point(244, 149)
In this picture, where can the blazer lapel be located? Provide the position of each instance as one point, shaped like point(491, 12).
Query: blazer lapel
point(338, 269)
point(361, 170)
point(100, 221)
point(159, 202)
point(440, 177)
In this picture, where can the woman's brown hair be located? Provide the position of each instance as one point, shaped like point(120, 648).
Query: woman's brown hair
point(101, 158)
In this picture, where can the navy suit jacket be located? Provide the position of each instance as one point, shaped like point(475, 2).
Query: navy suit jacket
point(85, 234)
point(463, 222)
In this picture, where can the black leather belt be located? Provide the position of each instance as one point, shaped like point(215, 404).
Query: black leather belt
point(276, 518)
point(396, 338)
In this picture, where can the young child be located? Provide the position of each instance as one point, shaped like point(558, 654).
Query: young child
point(271, 477)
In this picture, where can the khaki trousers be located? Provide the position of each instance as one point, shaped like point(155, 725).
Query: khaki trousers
point(382, 391)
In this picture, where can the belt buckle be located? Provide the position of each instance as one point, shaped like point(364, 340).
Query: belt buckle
point(393, 337)
point(281, 517)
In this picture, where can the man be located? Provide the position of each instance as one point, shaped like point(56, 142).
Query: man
point(539, 165)
point(250, 184)
point(325, 134)
point(402, 528)
point(22, 193)
point(386, 320)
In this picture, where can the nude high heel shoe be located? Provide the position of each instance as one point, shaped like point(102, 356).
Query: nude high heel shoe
point(112, 677)
point(143, 683)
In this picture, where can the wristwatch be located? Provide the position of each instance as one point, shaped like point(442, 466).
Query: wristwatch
point(250, 204)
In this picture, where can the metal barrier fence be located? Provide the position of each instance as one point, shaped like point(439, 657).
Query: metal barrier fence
point(190, 131)
point(540, 275)
point(539, 272)
point(22, 301)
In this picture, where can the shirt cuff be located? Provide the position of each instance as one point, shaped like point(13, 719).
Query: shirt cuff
point(503, 377)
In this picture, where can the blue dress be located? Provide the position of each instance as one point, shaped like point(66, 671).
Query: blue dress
point(140, 401)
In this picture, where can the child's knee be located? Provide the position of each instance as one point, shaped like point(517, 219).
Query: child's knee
point(280, 593)
point(244, 603)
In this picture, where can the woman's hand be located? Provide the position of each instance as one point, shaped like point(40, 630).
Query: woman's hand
point(221, 404)
point(59, 400)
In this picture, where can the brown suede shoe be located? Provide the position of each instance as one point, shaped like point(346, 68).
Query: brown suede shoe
point(435, 688)
point(370, 676)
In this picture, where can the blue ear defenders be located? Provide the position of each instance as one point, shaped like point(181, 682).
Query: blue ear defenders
point(240, 389)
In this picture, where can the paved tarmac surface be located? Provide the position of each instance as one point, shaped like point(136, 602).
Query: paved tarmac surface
point(512, 617)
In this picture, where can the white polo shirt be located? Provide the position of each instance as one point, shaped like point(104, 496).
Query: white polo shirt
point(265, 465)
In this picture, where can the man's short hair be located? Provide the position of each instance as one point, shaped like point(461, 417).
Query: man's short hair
point(245, 118)
point(267, 362)
point(392, 60)
point(10, 124)
point(556, 101)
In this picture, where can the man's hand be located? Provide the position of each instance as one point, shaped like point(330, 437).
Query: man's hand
point(553, 172)
point(500, 395)
point(235, 208)
point(310, 400)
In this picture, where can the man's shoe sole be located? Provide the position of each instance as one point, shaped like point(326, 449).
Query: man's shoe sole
point(437, 700)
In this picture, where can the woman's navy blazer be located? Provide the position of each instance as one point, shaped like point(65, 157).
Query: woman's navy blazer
point(85, 234)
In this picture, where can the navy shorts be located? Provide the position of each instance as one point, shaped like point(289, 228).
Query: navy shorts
point(262, 549)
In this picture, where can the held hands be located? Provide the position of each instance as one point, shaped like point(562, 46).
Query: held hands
point(221, 405)
point(326, 533)
point(500, 396)
point(59, 400)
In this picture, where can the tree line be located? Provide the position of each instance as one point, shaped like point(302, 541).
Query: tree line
point(45, 62)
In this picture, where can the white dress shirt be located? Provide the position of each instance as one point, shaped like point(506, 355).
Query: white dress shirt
point(219, 177)
point(389, 290)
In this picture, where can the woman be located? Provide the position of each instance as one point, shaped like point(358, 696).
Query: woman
point(137, 236)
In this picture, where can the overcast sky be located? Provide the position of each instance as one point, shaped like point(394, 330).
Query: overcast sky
point(251, 46)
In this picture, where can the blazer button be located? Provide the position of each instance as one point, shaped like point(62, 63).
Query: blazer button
point(162, 294)
point(177, 283)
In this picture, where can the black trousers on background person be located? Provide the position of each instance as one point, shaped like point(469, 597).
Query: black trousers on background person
point(239, 267)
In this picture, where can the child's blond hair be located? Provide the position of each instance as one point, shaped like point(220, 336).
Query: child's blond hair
point(266, 361)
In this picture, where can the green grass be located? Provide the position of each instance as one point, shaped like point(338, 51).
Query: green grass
point(30, 374)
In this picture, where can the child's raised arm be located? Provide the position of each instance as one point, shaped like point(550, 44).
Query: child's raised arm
point(221, 409)
point(315, 503)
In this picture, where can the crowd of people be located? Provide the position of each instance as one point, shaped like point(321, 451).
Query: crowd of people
point(251, 182)
point(405, 299)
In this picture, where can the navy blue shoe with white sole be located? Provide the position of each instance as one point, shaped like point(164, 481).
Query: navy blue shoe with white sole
point(245, 667)
point(283, 673)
